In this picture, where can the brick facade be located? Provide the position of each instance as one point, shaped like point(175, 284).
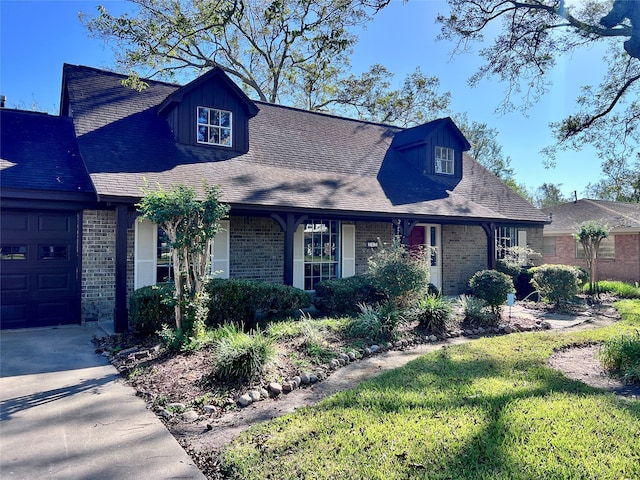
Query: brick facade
point(464, 252)
point(370, 231)
point(624, 267)
point(257, 252)
point(256, 249)
point(98, 265)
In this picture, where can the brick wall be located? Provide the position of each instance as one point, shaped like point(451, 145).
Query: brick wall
point(98, 265)
point(535, 243)
point(370, 231)
point(464, 252)
point(256, 249)
point(624, 267)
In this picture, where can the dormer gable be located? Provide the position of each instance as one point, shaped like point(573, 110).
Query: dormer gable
point(210, 112)
point(434, 148)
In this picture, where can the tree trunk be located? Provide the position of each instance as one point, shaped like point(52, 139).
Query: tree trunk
point(178, 285)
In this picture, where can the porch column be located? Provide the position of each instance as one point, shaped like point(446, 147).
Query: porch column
point(490, 231)
point(121, 313)
point(288, 224)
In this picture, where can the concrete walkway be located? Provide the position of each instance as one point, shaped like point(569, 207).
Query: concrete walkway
point(65, 414)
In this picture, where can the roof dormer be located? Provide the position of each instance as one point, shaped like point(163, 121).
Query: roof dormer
point(434, 148)
point(210, 112)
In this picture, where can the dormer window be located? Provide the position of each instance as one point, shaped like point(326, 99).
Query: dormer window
point(214, 126)
point(444, 160)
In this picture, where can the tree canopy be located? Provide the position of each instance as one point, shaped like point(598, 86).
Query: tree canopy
point(291, 52)
point(533, 35)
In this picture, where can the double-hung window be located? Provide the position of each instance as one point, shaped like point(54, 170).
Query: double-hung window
point(444, 160)
point(511, 245)
point(214, 126)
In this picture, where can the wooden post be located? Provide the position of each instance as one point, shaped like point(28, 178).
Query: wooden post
point(121, 313)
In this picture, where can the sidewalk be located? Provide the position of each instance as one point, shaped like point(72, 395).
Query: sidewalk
point(65, 414)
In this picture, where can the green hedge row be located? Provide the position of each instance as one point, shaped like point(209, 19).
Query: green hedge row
point(341, 296)
point(231, 300)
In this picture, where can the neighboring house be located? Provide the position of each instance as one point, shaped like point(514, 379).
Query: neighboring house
point(619, 254)
point(310, 194)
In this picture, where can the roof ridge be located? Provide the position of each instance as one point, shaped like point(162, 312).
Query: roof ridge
point(611, 210)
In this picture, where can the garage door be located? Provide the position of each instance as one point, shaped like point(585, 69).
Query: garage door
point(39, 261)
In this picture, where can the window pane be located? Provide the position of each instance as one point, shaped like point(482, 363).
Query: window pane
point(53, 252)
point(13, 252)
point(214, 136)
point(225, 119)
point(203, 115)
point(202, 134)
point(214, 117)
point(225, 136)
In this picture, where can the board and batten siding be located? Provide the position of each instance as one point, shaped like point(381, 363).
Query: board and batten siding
point(183, 119)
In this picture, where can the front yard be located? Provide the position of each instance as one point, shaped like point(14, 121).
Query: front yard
point(491, 408)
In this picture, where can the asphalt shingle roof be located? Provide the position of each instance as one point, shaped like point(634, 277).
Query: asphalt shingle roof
point(39, 152)
point(296, 159)
point(566, 217)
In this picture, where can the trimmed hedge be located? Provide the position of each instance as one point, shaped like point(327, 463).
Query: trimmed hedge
point(492, 287)
point(238, 301)
point(341, 296)
point(150, 308)
point(556, 283)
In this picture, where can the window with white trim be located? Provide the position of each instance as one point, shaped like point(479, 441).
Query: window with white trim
point(607, 249)
point(511, 245)
point(214, 127)
point(444, 160)
point(320, 252)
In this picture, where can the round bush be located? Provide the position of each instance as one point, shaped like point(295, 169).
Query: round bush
point(556, 283)
point(150, 308)
point(492, 287)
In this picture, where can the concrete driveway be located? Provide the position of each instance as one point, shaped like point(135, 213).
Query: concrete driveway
point(65, 414)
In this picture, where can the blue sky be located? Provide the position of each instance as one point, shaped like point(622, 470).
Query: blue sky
point(37, 37)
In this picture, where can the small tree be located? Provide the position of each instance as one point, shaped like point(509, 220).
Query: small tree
point(590, 235)
point(190, 224)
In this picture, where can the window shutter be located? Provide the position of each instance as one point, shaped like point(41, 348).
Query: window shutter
point(522, 243)
point(145, 253)
point(348, 250)
point(298, 258)
point(220, 251)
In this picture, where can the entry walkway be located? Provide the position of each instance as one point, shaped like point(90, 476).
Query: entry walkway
point(65, 414)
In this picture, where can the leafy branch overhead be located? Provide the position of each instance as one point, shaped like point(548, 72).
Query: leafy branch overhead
point(534, 36)
point(291, 52)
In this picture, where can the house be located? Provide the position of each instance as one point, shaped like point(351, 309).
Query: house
point(311, 194)
point(619, 254)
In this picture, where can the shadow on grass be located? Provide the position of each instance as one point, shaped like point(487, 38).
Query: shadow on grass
point(482, 410)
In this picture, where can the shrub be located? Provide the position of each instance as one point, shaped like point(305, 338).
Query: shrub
point(432, 313)
point(398, 273)
point(492, 287)
point(341, 296)
point(621, 355)
point(474, 311)
point(238, 301)
point(240, 356)
point(376, 323)
point(556, 283)
point(508, 268)
point(151, 307)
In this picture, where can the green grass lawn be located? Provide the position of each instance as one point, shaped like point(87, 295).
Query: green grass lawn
point(489, 409)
